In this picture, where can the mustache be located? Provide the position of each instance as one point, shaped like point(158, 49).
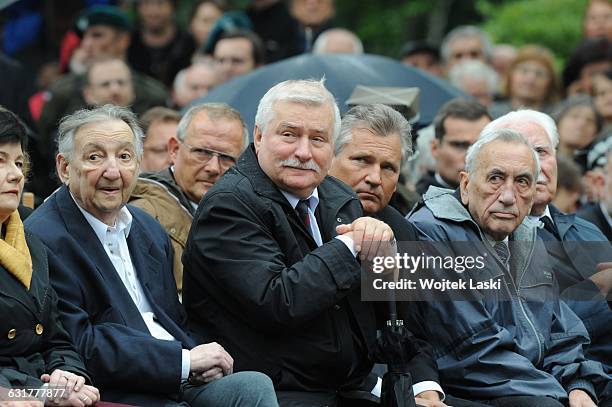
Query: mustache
point(295, 163)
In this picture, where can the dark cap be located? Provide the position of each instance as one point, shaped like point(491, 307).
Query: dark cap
point(101, 15)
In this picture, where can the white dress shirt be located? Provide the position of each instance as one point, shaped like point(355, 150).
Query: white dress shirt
point(114, 241)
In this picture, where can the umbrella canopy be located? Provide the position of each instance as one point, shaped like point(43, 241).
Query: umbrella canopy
point(342, 73)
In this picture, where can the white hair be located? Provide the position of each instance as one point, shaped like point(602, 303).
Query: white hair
point(474, 69)
point(466, 31)
point(71, 124)
point(491, 135)
point(523, 116)
point(310, 92)
point(320, 45)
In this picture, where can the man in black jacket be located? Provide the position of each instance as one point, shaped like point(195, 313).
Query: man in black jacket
point(373, 145)
point(270, 265)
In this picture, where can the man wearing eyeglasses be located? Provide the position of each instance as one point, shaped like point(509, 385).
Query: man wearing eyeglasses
point(209, 140)
point(457, 126)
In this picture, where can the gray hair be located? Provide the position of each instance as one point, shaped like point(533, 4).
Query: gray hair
point(214, 111)
point(71, 124)
point(527, 116)
point(304, 91)
point(486, 137)
point(382, 120)
point(320, 45)
point(466, 31)
point(474, 69)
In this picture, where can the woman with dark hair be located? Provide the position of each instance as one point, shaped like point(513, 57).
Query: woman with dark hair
point(578, 123)
point(36, 355)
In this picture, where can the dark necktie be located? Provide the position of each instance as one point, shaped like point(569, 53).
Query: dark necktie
point(302, 210)
point(502, 252)
point(549, 226)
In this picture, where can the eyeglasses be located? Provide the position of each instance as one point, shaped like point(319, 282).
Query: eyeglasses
point(204, 155)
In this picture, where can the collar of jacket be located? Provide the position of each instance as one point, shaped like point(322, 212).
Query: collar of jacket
point(445, 204)
point(563, 221)
point(333, 193)
point(166, 179)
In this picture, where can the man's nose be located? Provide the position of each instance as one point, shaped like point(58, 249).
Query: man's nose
point(303, 149)
point(213, 165)
point(507, 195)
point(373, 176)
point(112, 169)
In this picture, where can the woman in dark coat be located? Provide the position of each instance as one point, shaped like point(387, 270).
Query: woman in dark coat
point(35, 350)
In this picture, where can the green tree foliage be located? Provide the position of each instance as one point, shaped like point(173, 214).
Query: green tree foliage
point(556, 24)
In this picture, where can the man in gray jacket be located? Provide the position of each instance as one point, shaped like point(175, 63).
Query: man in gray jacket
point(514, 343)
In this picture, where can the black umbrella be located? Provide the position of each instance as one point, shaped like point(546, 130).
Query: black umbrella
point(396, 348)
point(342, 73)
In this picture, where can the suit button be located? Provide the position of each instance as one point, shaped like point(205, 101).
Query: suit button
point(12, 334)
point(337, 307)
point(39, 329)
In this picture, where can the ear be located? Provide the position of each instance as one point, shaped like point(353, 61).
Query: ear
point(173, 147)
point(464, 180)
point(123, 42)
point(62, 168)
point(434, 146)
point(257, 135)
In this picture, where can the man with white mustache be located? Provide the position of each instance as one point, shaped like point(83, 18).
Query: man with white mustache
point(271, 267)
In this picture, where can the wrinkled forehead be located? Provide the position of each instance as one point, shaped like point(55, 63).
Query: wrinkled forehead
point(104, 133)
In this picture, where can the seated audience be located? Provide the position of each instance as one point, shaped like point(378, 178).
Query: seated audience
point(236, 53)
point(270, 266)
point(203, 16)
point(159, 125)
point(591, 57)
point(457, 126)
point(531, 82)
point(579, 254)
point(160, 47)
point(602, 97)
point(36, 351)
point(578, 123)
point(193, 83)
point(597, 21)
point(464, 43)
point(423, 56)
point(314, 17)
point(111, 265)
point(475, 78)
point(209, 140)
point(517, 344)
point(569, 185)
point(337, 41)
point(108, 81)
point(600, 213)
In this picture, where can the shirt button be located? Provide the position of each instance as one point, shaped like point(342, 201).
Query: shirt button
point(12, 334)
point(39, 329)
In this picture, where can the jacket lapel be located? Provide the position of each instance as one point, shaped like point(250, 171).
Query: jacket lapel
point(148, 270)
point(78, 227)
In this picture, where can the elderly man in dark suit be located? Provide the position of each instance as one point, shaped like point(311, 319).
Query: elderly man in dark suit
point(581, 254)
point(112, 267)
point(271, 266)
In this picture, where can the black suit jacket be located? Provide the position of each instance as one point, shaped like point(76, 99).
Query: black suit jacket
point(32, 338)
point(97, 309)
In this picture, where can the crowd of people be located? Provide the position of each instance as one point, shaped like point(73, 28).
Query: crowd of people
point(175, 257)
